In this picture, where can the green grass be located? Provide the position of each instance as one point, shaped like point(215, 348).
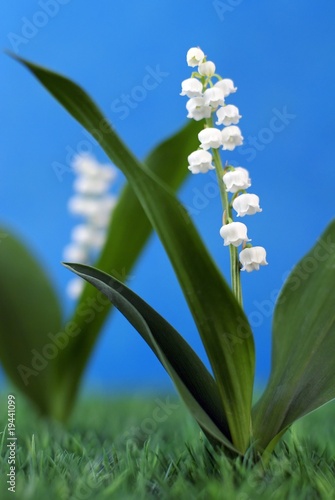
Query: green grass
point(136, 449)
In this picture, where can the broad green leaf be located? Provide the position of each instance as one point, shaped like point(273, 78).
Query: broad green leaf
point(303, 369)
point(29, 318)
point(120, 252)
point(196, 386)
point(222, 324)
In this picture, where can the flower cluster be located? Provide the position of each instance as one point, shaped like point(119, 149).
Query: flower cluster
point(207, 92)
point(205, 98)
point(93, 202)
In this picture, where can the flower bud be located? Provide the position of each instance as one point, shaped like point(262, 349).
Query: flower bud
point(246, 204)
point(214, 97)
point(231, 137)
point(236, 180)
point(252, 258)
point(227, 85)
point(207, 68)
point(200, 162)
point(197, 109)
point(210, 138)
point(194, 56)
point(192, 87)
point(234, 233)
point(228, 115)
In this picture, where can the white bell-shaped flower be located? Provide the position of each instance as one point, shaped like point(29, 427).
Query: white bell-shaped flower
point(236, 179)
point(210, 138)
point(228, 115)
point(81, 205)
point(75, 287)
point(82, 234)
point(252, 258)
point(246, 204)
point(192, 87)
point(75, 252)
point(214, 97)
point(227, 85)
point(234, 233)
point(92, 202)
point(194, 56)
point(89, 168)
point(231, 137)
point(88, 235)
point(84, 164)
point(197, 109)
point(103, 210)
point(87, 185)
point(200, 162)
point(207, 68)
point(107, 173)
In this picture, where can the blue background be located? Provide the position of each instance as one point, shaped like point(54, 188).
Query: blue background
point(279, 54)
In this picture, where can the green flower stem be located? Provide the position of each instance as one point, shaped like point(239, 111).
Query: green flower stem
point(234, 260)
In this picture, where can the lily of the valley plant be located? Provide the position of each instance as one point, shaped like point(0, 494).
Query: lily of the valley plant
point(45, 356)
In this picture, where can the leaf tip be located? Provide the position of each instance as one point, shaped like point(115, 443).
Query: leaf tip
point(74, 267)
point(68, 265)
point(11, 54)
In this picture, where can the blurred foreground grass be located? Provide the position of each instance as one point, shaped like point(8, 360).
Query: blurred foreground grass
point(149, 447)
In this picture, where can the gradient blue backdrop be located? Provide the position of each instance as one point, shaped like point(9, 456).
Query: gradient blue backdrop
point(280, 55)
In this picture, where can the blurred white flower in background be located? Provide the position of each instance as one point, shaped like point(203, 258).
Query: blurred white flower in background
point(92, 202)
